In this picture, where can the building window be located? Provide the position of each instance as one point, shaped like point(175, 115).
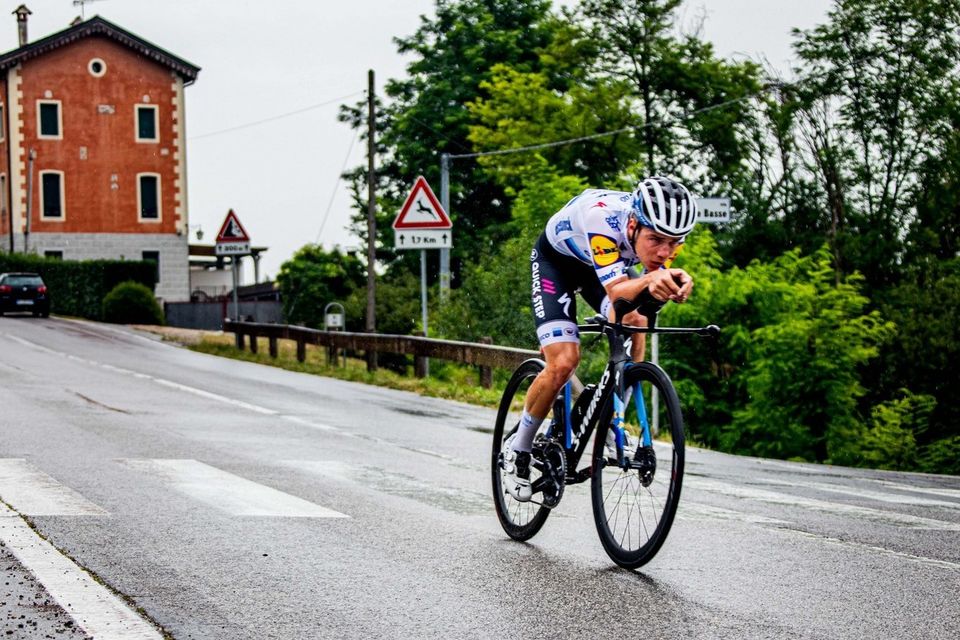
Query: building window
point(148, 196)
point(51, 195)
point(147, 129)
point(2, 128)
point(97, 67)
point(56, 255)
point(51, 124)
point(153, 256)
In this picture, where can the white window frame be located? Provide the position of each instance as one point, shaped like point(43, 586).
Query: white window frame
point(3, 125)
point(156, 123)
point(103, 67)
point(63, 197)
point(59, 135)
point(159, 217)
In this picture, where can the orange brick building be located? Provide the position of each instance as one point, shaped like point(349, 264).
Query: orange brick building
point(93, 149)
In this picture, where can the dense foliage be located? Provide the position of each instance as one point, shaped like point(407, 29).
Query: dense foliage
point(836, 281)
point(131, 303)
point(77, 288)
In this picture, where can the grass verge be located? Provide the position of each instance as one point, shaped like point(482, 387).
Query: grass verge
point(447, 380)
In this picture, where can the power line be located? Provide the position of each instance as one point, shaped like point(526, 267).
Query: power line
point(276, 117)
point(336, 185)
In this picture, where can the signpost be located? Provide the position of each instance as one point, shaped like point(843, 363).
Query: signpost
point(422, 224)
point(233, 241)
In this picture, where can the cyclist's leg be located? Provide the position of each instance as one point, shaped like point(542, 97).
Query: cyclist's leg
point(554, 282)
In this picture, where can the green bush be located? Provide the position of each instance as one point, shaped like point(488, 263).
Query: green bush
point(77, 288)
point(131, 303)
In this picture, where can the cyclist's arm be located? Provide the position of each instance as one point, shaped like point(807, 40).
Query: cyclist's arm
point(663, 284)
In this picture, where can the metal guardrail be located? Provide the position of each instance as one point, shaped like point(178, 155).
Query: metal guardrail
point(485, 356)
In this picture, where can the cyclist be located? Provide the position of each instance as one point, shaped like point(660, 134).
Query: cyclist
point(591, 245)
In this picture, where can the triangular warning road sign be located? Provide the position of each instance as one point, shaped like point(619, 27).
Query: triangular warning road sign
point(422, 210)
point(232, 230)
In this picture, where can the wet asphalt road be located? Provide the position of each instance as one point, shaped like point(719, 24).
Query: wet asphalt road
point(161, 445)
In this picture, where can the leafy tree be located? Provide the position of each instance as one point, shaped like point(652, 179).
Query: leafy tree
point(313, 278)
point(453, 53)
point(881, 81)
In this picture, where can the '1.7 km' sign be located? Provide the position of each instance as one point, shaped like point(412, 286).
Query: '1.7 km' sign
point(423, 239)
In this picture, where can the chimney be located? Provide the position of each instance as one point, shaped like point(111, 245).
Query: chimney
point(22, 12)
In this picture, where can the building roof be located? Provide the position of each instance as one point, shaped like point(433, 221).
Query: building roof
point(97, 26)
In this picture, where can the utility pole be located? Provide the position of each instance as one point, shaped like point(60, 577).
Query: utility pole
point(371, 220)
point(445, 203)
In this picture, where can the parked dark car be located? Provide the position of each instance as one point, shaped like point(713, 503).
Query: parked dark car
point(24, 292)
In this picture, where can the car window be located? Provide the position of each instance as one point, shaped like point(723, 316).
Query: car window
point(19, 281)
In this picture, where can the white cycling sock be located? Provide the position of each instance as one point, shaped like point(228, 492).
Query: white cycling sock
point(526, 431)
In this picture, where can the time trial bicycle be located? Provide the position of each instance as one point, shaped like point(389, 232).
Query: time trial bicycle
point(635, 480)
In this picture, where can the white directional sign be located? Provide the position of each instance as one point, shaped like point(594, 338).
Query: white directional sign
point(423, 238)
point(713, 210)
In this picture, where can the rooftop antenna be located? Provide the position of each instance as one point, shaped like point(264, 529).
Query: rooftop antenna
point(81, 3)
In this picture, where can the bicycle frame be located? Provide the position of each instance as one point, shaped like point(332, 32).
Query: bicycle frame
point(607, 403)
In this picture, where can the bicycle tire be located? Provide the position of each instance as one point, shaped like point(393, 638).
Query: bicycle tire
point(520, 520)
point(633, 520)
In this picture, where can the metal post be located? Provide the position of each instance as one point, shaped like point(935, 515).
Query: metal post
point(371, 220)
point(654, 393)
point(234, 261)
point(26, 230)
point(445, 203)
point(423, 302)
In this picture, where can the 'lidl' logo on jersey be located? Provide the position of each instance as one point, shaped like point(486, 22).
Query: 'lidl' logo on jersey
point(605, 251)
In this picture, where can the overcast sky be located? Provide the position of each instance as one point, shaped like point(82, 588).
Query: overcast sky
point(262, 133)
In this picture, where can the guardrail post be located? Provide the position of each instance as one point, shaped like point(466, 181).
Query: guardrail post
point(273, 346)
point(420, 363)
point(301, 350)
point(486, 373)
point(253, 342)
point(239, 335)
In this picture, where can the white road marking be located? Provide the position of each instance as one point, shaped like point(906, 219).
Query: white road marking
point(34, 493)
point(773, 497)
point(697, 511)
point(893, 498)
point(228, 492)
point(934, 491)
point(943, 564)
point(91, 605)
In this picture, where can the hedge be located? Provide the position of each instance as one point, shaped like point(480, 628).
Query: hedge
point(77, 288)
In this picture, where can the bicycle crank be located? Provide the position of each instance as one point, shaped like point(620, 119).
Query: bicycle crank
point(551, 461)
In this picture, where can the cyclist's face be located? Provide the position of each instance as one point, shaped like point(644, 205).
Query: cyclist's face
point(654, 249)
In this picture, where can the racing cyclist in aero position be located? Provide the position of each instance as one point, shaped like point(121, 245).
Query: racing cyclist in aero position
point(591, 245)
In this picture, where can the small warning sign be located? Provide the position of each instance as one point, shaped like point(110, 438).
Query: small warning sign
point(233, 238)
point(422, 210)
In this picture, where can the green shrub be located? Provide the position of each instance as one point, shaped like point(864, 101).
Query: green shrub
point(131, 303)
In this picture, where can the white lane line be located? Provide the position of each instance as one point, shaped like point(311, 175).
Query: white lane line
point(833, 508)
point(943, 564)
point(699, 511)
point(228, 492)
point(34, 493)
point(91, 605)
point(893, 498)
point(934, 491)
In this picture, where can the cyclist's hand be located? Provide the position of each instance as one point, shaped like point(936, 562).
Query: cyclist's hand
point(670, 284)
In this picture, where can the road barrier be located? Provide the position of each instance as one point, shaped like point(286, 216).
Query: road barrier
point(486, 356)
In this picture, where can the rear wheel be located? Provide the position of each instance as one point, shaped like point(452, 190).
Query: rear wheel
point(521, 520)
point(634, 507)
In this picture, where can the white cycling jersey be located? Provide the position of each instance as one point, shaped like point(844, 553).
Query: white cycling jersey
point(592, 228)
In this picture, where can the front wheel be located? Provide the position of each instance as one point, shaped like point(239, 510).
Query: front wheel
point(634, 507)
point(521, 520)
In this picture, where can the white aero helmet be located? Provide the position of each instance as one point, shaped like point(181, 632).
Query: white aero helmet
point(665, 206)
